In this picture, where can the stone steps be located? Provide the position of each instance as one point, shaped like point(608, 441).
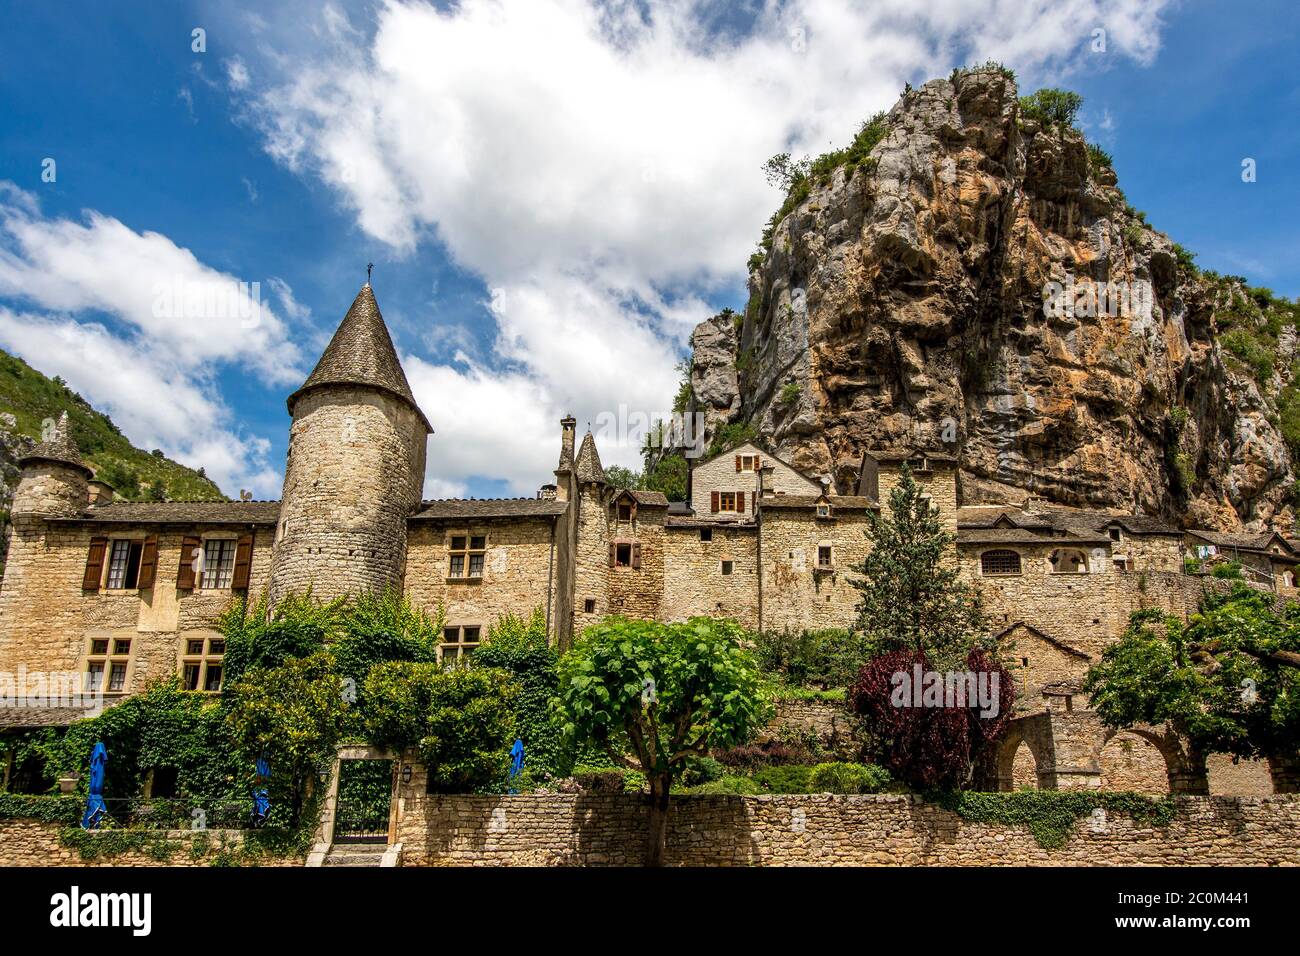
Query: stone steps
point(362, 854)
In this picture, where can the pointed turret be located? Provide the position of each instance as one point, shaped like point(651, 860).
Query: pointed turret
point(54, 480)
point(58, 446)
point(588, 465)
point(361, 354)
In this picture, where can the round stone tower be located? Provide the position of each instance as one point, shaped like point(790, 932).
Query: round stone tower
point(355, 466)
point(54, 479)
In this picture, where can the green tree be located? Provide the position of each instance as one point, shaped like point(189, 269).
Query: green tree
point(460, 720)
point(913, 596)
point(1051, 105)
point(374, 628)
point(256, 636)
point(654, 696)
point(293, 714)
point(619, 477)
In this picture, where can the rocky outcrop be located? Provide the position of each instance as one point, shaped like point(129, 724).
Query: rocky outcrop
point(902, 303)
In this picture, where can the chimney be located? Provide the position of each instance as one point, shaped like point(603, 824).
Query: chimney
point(568, 431)
point(101, 492)
point(546, 493)
point(765, 487)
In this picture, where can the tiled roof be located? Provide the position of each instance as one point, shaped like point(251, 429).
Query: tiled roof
point(1057, 519)
point(710, 521)
point(22, 717)
point(903, 454)
point(1026, 536)
point(588, 465)
point(649, 499)
point(184, 512)
point(361, 353)
point(1241, 541)
point(59, 447)
point(453, 508)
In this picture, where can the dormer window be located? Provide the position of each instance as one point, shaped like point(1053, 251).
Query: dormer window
point(823, 510)
point(625, 511)
point(1115, 534)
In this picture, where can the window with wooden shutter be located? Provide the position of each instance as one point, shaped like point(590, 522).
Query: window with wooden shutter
point(94, 564)
point(613, 554)
point(148, 562)
point(243, 562)
point(737, 463)
point(636, 555)
point(713, 501)
point(191, 552)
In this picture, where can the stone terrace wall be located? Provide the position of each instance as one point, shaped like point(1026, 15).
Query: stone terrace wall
point(885, 830)
point(35, 843)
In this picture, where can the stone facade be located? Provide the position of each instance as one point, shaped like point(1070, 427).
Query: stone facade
point(824, 830)
point(34, 843)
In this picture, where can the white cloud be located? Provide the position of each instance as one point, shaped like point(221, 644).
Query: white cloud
point(599, 166)
point(237, 73)
point(141, 328)
point(155, 402)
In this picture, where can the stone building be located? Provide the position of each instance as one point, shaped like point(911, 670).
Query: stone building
point(111, 594)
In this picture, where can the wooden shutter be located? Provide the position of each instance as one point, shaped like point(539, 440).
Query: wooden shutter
point(148, 562)
point(740, 501)
point(243, 562)
point(613, 554)
point(737, 463)
point(94, 564)
point(714, 501)
point(185, 572)
point(636, 555)
point(758, 463)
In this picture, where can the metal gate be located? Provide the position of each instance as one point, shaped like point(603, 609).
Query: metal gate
point(364, 799)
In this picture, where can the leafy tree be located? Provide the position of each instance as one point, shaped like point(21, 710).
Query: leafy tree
point(654, 696)
point(667, 475)
point(939, 743)
point(519, 647)
point(619, 477)
point(293, 714)
point(460, 720)
point(1226, 682)
point(913, 596)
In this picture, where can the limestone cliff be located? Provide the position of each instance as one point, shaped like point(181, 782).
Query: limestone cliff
point(901, 301)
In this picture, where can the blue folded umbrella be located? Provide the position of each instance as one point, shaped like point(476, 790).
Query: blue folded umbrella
point(261, 795)
point(95, 808)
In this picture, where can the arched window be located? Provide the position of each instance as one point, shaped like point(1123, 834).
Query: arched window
point(1069, 561)
point(1000, 562)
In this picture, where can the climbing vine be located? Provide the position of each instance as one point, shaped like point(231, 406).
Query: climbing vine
point(1050, 815)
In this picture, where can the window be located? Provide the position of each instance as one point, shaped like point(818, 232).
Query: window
point(466, 556)
point(748, 463)
point(625, 511)
point(589, 606)
point(623, 555)
point(124, 564)
point(1121, 564)
point(728, 567)
point(727, 501)
point(706, 534)
point(201, 665)
point(1068, 561)
point(218, 563)
point(107, 658)
point(823, 510)
point(1000, 562)
point(458, 643)
point(1115, 534)
point(161, 783)
point(824, 558)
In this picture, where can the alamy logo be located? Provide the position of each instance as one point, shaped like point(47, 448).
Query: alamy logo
point(921, 688)
point(74, 909)
point(1084, 298)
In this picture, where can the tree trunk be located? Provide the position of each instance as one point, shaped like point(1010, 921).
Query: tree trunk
point(658, 836)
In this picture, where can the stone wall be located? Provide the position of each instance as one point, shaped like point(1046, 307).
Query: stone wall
point(638, 591)
point(516, 569)
point(33, 843)
point(821, 829)
point(797, 594)
point(354, 472)
point(693, 580)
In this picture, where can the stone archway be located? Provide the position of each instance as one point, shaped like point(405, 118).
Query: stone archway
point(1025, 748)
point(1024, 768)
point(1185, 769)
point(1128, 761)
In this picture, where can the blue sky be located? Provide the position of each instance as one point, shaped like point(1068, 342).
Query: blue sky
point(553, 192)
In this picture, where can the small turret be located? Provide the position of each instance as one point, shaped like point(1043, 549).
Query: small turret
point(588, 467)
point(54, 479)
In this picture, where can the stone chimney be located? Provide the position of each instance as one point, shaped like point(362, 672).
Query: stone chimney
point(546, 492)
point(101, 492)
point(564, 470)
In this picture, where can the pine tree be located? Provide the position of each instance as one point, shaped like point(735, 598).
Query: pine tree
point(913, 598)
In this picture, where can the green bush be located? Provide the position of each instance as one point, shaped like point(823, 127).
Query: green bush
point(257, 637)
point(702, 770)
point(1229, 570)
point(787, 778)
point(741, 786)
point(374, 628)
point(828, 658)
point(1048, 105)
point(1191, 565)
point(1099, 159)
point(848, 778)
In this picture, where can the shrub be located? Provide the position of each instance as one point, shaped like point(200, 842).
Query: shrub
point(384, 627)
point(849, 778)
point(821, 658)
point(460, 720)
point(256, 637)
point(1048, 105)
point(1191, 565)
point(702, 770)
point(767, 754)
point(1099, 159)
point(1230, 570)
point(789, 393)
point(791, 778)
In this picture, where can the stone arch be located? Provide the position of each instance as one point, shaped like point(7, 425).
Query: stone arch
point(1022, 732)
point(1129, 761)
point(1068, 561)
point(1185, 771)
point(1024, 768)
